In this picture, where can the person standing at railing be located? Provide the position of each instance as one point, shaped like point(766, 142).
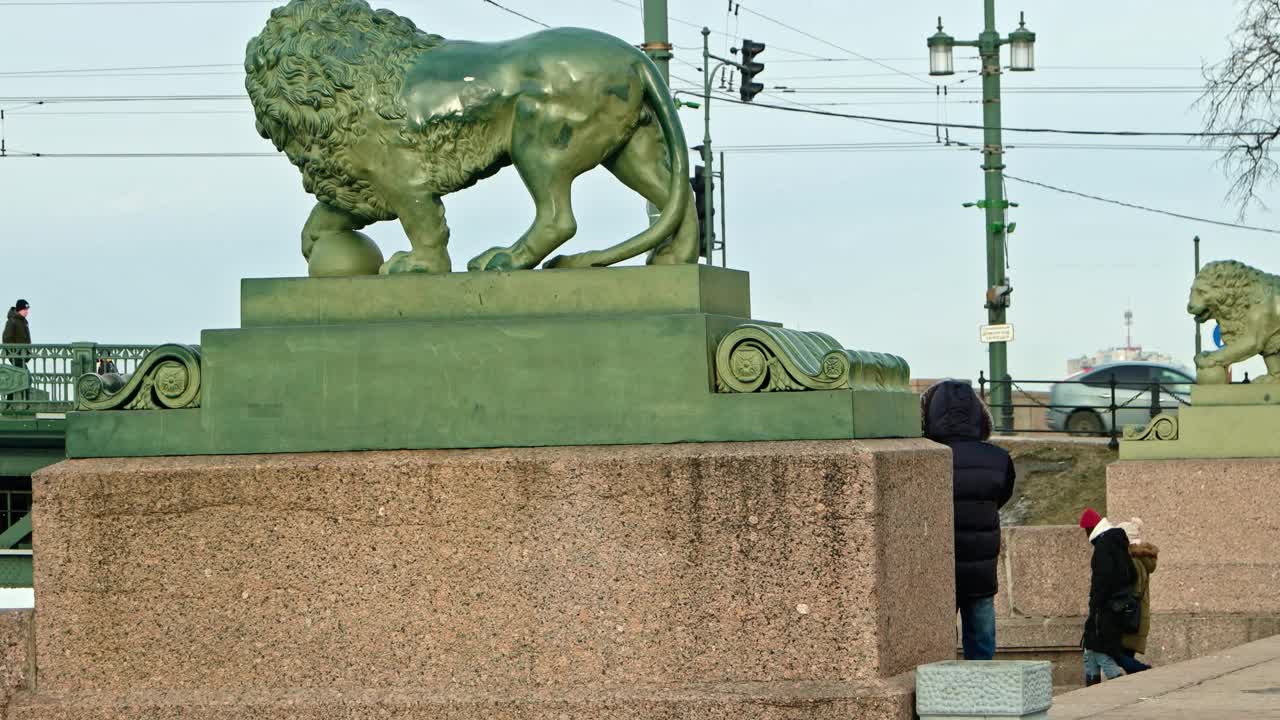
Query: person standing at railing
point(982, 482)
point(16, 329)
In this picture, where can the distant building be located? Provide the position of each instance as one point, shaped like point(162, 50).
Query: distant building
point(1129, 352)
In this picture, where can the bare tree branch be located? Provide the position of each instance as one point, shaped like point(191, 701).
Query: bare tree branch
point(1240, 97)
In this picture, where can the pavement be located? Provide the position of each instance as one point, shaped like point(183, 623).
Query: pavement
point(1242, 683)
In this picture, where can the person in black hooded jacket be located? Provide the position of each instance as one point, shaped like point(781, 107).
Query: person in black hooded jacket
point(982, 482)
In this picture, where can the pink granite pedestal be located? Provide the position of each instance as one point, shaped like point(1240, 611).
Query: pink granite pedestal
point(744, 580)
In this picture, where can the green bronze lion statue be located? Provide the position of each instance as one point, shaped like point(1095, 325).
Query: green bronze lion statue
point(383, 120)
point(1246, 303)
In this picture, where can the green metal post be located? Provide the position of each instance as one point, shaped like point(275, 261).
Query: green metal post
point(657, 46)
point(656, 42)
point(708, 200)
point(84, 360)
point(1196, 242)
point(993, 169)
point(724, 218)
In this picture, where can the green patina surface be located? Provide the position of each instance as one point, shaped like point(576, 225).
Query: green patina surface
point(515, 372)
point(409, 117)
point(654, 290)
point(1223, 421)
point(28, 444)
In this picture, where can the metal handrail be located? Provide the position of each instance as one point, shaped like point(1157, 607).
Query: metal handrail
point(1156, 389)
point(52, 370)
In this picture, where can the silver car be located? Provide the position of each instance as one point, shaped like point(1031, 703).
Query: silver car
point(1082, 404)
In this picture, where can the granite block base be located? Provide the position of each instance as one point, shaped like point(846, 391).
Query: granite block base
point(1215, 521)
point(752, 580)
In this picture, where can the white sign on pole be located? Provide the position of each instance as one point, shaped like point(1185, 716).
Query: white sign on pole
point(995, 333)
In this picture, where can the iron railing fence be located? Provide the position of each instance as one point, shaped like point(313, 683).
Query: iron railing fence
point(49, 385)
point(1122, 404)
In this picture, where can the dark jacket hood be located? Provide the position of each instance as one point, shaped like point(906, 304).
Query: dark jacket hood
point(13, 315)
point(952, 411)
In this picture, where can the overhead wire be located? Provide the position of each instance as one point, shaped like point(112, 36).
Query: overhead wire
point(699, 26)
point(967, 126)
point(841, 48)
point(44, 3)
point(517, 13)
point(124, 69)
point(1144, 208)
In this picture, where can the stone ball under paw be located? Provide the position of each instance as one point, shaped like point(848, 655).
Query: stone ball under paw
point(342, 254)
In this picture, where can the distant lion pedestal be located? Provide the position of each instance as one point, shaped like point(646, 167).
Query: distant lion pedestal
point(1204, 484)
point(522, 527)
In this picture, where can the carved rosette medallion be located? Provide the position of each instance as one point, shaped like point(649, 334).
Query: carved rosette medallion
point(748, 363)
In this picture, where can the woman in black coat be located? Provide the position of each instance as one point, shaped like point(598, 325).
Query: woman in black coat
point(982, 482)
point(1111, 573)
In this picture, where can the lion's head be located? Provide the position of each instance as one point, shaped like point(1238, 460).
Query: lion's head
point(314, 69)
point(1225, 290)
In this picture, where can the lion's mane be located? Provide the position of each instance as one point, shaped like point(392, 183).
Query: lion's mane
point(311, 73)
point(1232, 289)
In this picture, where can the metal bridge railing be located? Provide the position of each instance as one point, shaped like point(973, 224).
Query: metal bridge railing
point(49, 384)
point(1138, 402)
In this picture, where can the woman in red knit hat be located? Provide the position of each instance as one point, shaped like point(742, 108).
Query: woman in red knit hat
point(1111, 575)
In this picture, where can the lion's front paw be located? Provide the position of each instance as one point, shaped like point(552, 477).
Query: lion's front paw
point(402, 262)
point(1267, 379)
point(494, 259)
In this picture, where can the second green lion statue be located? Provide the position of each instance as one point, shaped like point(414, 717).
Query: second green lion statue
point(384, 119)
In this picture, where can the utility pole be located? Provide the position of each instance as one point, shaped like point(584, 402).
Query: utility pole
point(748, 88)
point(657, 46)
point(993, 204)
point(993, 169)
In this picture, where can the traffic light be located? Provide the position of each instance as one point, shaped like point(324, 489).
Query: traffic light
point(748, 88)
point(705, 234)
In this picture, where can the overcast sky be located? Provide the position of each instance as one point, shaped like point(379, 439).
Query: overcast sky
point(871, 246)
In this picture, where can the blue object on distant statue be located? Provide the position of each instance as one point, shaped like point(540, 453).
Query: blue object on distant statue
point(1217, 335)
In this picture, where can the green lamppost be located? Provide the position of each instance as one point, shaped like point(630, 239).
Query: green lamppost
point(1022, 59)
point(658, 47)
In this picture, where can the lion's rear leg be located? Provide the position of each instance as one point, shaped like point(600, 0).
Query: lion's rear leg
point(1273, 369)
point(643, 166)
point(553, 224)
point(549, 153)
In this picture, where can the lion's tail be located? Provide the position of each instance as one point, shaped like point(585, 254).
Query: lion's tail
point(664, 108)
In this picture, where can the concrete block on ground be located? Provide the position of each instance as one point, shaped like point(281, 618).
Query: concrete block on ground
point(1032, 716)
point(1004, 689)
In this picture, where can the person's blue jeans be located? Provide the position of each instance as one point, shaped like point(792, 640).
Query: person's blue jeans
point(1098, 665)
point(978, 627)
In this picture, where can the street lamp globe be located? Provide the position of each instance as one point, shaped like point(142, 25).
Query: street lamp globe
point(1022, 44)
point(941, 56)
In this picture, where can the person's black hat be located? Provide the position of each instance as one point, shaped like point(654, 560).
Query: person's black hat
point(22, 305)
